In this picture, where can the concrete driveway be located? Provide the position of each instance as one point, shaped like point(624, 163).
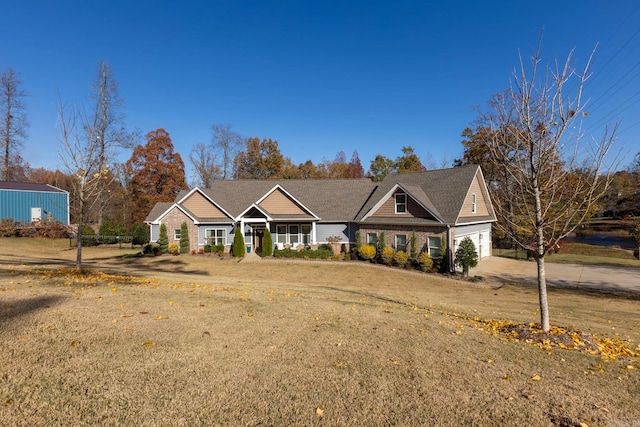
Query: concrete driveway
point(612, 279)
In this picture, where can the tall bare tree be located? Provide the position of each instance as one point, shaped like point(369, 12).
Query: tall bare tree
point(108, 126)
point(204, 164)
point(14, 120)
point(556, 173)
point(79, 151)
point(227, 144)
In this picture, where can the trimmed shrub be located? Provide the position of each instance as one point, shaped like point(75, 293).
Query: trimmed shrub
point(425, 263)
point(139, 234)
point(218, 248)
point(267, 243)
point(347, 257)
point(387, 255)
point(305, 253)
point(367, 252)
point(358, 240)
point(184, 238)
point(400, 259)
point(238, 243)
point(163, 239)
point(174, 248)
point(466, 255)
point(382, 242)
point(443, 262)
point(414, 246)
point(207, 249)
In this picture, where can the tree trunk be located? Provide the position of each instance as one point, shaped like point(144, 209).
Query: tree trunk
point(542, 295)
point(79, 246)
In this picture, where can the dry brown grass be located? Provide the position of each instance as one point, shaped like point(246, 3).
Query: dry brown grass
point(193, 340)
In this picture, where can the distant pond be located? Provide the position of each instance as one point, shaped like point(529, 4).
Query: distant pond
point(603, 240)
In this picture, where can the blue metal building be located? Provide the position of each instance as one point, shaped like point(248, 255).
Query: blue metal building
point(26, 202)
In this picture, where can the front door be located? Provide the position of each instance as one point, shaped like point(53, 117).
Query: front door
point(258, 235)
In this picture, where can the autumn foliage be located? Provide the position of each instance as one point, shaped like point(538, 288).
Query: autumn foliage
point(157, 173)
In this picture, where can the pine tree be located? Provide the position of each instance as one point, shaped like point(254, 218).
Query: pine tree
point(184, 238)
point(163, 240)
point(238, 243)
point(466, 255)
point(267, 244)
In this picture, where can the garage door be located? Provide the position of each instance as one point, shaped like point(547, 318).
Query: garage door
point(481, 240)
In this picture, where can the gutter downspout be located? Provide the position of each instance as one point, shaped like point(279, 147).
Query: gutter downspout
point(450, 248)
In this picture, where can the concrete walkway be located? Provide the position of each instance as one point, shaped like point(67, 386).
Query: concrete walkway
point(612, 279)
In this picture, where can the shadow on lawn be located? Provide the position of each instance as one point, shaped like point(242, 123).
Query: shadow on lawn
point(140, 266)
point(12, 309)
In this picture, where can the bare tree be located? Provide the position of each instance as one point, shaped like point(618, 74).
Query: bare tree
point(205, 167)
point(555, 173)
point(227, 144)
point(14, 120)
point(79, 151)
point(107, 124)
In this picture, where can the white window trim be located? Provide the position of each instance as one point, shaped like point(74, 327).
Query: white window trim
point(215, 235)
point(405, 242)
point(285, 234)
point(473, 203)
point(375, 238)
point(177, 234)
point(289, 234)
point(429, 246)
point(396, 204)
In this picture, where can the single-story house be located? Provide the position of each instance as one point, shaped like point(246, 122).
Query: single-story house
point(28, 202)
point(448, 203)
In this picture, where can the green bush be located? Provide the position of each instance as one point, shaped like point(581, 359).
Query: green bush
point(163, 239)
point(382, 242)
point(414, 246)
point(184, 238)
point(387, 255)
point(466, 255)
point(218, 248)
point(207, 249)
point(267, 243)
point(107, 233)
point(367, 252)
point(305, 253)
point(238, 243)
point(139, 234)
point(347, 257)
point(358, 240)
point(425, 263)
point(400, 259)
point(88, 236)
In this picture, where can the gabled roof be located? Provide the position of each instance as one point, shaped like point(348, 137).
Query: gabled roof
point(443, 191)
point(327, 199)
point(29, 186)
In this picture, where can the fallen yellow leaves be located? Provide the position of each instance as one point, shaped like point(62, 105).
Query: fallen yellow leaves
point(149, 344)
point(320, 412)
point(536, 377)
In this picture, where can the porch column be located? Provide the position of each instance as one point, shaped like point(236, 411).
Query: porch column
point(242, 230)
point(313, 232)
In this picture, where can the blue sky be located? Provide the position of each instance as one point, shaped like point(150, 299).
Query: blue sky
point(318, 77)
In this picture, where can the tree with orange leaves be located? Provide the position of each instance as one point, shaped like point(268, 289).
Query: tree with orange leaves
point(156, 173)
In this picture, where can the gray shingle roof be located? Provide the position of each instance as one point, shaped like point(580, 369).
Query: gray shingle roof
point(442, 192)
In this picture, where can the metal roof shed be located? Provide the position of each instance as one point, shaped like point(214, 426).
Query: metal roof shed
point(26, 202)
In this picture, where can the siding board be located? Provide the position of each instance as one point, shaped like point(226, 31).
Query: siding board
point(278, 203)
point(202, 208)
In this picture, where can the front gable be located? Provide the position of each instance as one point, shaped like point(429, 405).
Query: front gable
point(279, 202)
point(202, 207)
point(477, 203)
point(391, 206)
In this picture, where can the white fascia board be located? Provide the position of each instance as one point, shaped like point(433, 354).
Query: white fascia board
point(251, 207)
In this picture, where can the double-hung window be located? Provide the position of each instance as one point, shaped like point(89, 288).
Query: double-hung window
point(176, 234)
point(282, 233)
point(434, 247)
point(401, 242)
point(216, 236)
point(401, 203)
point(372, 239)
point(306, 233)
point(294, 236)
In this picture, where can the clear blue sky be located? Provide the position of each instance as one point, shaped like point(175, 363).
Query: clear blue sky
point(317, 76)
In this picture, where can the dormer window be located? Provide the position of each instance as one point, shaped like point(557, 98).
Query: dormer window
point(473, 203)
point(401, 203)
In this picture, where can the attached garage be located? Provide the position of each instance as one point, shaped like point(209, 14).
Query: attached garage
point(480, 235)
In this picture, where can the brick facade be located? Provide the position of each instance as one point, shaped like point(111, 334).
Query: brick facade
point(174, 221)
